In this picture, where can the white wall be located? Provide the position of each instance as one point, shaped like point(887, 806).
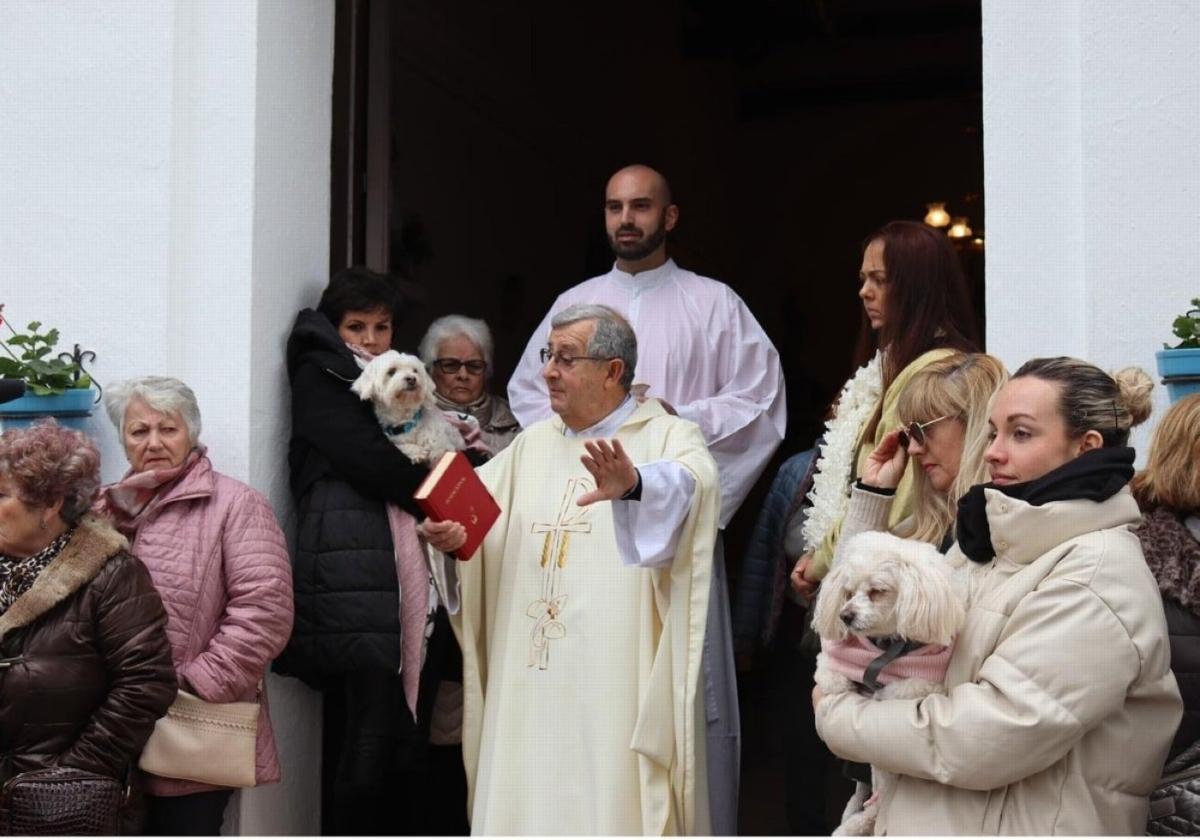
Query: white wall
point(1092, 177)
point(164, 201)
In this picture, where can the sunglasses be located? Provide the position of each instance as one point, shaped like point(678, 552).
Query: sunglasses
point(916, 431)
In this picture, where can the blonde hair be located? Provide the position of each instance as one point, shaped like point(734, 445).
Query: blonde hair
point(1172, 475)
point(959, 387)
point(1091, 400)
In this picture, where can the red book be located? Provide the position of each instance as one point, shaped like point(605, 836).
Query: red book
point(453, 491)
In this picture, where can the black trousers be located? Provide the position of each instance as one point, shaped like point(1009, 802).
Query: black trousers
point(380, 776)
point(192, 815)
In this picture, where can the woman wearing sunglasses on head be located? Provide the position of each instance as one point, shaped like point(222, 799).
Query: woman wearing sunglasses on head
point(1060, 703)
point(916, 310)
point(457, 352)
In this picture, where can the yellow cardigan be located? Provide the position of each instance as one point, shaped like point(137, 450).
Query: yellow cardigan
point(889, 421)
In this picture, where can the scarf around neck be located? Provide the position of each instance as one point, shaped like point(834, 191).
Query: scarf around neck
point(125, 502)
point(18, 575)
point(1173, 555)
point(1096, 475)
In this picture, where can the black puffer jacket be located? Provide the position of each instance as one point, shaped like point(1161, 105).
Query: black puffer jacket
point(85, 665)
point(343, 470)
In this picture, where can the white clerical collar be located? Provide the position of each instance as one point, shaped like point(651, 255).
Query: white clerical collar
point(646, 279)
point(607, 427)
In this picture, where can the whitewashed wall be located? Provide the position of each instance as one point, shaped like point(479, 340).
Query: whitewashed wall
point(164, 201)
point(1092, 177)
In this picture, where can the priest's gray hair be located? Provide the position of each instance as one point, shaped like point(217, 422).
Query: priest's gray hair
point(613, 338)
point(474, 330)
point(162, 393)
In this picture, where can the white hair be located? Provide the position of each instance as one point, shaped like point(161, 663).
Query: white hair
point(474, 330)
point(613, 337)
point(162, 393)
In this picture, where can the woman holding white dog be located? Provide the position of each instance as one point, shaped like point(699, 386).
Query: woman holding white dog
point(1061, 705)
point(457, 352)
point(347, 641)
point(220, 563)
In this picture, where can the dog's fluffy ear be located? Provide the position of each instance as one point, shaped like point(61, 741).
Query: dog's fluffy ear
point(927, 608)
point(366, 383)
point(428, 386)
point(827, 619)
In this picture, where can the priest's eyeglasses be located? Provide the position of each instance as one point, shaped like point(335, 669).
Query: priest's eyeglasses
point(916, 431)
point(450, 366)
point(566, 361)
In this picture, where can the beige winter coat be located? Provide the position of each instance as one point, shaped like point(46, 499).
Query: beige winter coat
point(1061, 701)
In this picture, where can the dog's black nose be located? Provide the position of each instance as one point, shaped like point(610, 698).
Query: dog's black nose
point(847, 617)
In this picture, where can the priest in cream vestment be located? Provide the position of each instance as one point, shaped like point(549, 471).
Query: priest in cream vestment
point(582, 615)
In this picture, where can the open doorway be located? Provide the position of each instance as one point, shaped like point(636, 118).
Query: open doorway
point(472, 142)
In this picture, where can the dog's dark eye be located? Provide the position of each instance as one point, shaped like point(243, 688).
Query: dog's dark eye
point(875, 593)
point(392, 371)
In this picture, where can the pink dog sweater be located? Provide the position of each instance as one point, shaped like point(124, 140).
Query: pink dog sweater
point(852, 656)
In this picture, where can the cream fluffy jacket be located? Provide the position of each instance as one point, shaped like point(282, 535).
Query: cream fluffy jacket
point(1061, 702)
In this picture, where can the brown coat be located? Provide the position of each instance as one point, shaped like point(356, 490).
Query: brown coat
point(85, 665)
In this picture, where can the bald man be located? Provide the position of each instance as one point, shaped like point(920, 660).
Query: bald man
point(703, 355)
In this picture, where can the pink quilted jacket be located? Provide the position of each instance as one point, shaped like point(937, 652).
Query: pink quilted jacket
point(221, 565)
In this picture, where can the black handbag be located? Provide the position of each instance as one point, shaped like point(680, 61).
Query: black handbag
point(1175, 802)
point(61, 800)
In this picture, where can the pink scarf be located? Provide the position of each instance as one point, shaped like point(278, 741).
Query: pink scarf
point(125, 502)
point(852, 656)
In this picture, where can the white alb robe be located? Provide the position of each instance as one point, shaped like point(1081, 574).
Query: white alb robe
point(700, 349)
point(581, 673)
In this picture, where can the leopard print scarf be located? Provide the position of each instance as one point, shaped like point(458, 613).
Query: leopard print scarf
point(17, 575)
point(1173, 555)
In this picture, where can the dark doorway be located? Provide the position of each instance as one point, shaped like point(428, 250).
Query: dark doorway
point(472, 142)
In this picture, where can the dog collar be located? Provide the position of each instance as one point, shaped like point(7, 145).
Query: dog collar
point(405, 427)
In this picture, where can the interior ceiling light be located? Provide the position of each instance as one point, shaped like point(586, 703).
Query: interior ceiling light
point(937, 216)
point(959, 228)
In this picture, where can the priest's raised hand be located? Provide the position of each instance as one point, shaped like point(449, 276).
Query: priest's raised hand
point(612, 469)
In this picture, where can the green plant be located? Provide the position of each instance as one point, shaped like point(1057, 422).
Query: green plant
point(29, 357)
point(1187, 328)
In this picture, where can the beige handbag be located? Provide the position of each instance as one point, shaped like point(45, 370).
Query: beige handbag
point(205, 742)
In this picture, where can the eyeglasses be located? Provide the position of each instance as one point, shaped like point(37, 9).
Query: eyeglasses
point(451, 366)
point(916, 431)
point(566, 361)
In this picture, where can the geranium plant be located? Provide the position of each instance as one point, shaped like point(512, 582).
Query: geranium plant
point(30, 356)
point(1187, 328)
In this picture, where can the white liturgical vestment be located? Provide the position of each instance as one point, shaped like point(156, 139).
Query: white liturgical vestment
point(700, 349)
point(583, 712)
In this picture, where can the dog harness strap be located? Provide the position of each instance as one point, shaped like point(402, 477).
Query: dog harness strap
point(895, 650)
point(406, 427)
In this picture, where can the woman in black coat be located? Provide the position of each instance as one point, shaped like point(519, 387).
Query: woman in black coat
point(376, 776)
point(1168, 491)
point(85, 665)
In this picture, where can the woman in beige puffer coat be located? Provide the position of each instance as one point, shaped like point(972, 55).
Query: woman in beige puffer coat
point(1061, 704)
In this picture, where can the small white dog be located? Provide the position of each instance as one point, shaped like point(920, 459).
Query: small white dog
point(401, 391)
point(887, 614)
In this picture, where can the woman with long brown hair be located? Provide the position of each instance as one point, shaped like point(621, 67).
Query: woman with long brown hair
point(916, 311)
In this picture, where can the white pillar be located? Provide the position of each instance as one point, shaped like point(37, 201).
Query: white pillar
point(1091, 130)
point(164, 201)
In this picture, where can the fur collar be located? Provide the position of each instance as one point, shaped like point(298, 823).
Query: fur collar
point(1173, 555)
point(94, 543)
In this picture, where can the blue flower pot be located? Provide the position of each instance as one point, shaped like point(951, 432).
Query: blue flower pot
point(69, 409)
point(1180, 370)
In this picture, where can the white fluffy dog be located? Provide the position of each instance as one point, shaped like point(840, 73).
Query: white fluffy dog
point(401, 390)
point(889, 609)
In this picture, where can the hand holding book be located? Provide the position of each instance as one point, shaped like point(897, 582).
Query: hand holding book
point(446, 536)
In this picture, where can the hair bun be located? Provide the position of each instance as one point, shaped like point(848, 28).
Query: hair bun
point(1135, 386)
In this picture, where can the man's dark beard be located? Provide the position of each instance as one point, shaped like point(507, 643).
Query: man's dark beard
point(643, 248)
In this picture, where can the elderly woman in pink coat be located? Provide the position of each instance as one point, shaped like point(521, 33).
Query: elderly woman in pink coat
point(220, 563)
